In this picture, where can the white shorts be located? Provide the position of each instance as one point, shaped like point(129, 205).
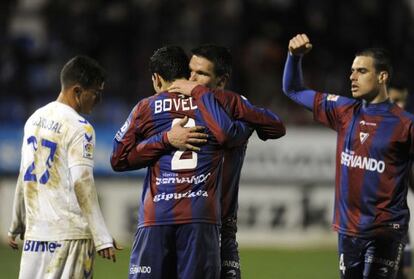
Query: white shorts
point(57, 259)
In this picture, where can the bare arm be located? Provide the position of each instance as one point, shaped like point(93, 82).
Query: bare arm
point(85, 191)
point(17, 227)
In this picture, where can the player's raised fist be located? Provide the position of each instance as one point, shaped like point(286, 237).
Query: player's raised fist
point(300, 45)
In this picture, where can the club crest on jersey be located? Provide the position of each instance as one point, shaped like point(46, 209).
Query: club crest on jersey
point(363, 136)
point(332, 97)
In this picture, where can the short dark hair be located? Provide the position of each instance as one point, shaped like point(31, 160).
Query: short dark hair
point(218, 55)
point(382, 60)
point(82, 70)
point(170, 62)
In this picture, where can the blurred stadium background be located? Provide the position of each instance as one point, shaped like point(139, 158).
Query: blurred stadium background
point(286, 194)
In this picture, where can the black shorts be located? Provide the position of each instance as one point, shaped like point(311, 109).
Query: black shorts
point(406, 260)
point(368, 258)
point(176, 251)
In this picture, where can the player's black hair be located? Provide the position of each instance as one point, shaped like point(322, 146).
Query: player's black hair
point(82, 70)
point(382, 60)
point(218, 55)
point(170, 62)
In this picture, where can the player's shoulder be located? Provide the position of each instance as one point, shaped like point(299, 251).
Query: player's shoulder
point(73, 122)
point(146, 102)
point(41, 112)
point(402, 114)
point(83, 125)
point(156, 96)
point(231, 95)
point(338, 100)
point(45, 109)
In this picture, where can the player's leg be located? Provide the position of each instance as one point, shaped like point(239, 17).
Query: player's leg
point(383, 255)
point(153, 253)
point(407, 261)
point(35, 260)
point(198, 251)
point(230, 260)
point(351, 260)
point(405, 270)
point(75, 259)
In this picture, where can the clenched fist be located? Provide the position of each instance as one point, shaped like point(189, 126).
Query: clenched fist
point(300, 45)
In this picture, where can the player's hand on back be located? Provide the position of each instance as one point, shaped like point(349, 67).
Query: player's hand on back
point(109, 252)
point(300, 45)
point(182, 86)
point(184, 138)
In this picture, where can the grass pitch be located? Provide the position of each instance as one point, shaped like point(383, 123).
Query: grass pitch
point(266, 263)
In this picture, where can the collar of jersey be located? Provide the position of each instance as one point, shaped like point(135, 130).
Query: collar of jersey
point(65, 106)
point(383, 106)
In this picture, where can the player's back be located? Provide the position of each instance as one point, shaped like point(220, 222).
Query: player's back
point(182, 186)
point(56, 138)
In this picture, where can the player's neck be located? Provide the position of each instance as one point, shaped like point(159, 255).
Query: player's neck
point(382, 96)
point(65, 99)
point(166, 84)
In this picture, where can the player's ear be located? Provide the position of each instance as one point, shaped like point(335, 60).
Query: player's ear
point(77, 90)
point(383, 77)
point(158, 80)
point(223, 81)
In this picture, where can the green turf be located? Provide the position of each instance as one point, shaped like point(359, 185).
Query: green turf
point(300, 264)
point(256, 264)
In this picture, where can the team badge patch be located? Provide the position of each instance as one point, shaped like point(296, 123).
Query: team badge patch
point(88, 149)
point(332, 97)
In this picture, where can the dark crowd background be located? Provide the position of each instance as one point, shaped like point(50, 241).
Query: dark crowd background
point(38, 36)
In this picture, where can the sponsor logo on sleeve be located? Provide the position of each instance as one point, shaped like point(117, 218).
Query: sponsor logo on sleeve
point(120, 134)
point(88, 149)
point(332, 97)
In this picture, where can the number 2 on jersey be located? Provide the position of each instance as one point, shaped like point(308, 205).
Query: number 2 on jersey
point(180, 164)
point(29, 176)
